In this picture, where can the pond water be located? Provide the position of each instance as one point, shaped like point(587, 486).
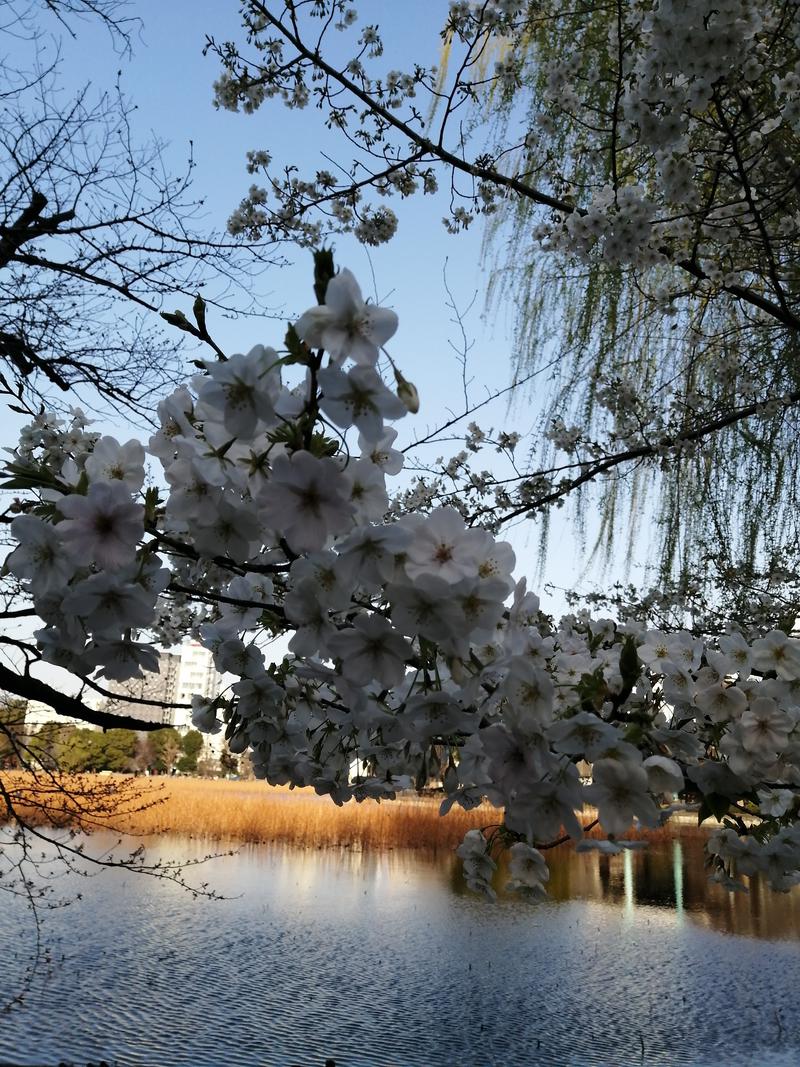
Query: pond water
point(384, 960)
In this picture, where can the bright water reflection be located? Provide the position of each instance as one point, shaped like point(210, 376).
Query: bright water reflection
point(385, 961)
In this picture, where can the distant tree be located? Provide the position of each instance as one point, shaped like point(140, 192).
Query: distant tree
point(228, 763)
point(47, 743)
point(192, 746)
point(79, 751)
point(118, 750)
point(165, 745)
point(12, 731)
point(90, 750)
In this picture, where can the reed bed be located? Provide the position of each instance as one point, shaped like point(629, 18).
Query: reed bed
point(246, 812)
point(249, 812)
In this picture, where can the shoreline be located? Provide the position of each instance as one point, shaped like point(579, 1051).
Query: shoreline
point(252, 812)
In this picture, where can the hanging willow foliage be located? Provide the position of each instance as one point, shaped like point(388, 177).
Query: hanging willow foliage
point(636, 165)
point(679, 348)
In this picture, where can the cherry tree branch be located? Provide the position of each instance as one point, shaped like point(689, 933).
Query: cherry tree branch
point(29, 688)
point(437, 151)
point(603, 466)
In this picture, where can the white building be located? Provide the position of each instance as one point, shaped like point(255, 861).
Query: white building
point(183, 673)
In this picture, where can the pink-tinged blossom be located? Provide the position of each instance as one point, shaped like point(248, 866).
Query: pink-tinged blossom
point(720, 702)
point(425, 609)
point(480, 603)
point(478, 864)
point(258, 697)
point(528, 871)
point(734, 656)
point(765, 728)
point(515, 763)
point(103, 527)
point(529, 692)
point(307, 608)
point(235, 657)
point(443, 547)
point(779, 653)
point(775, 802)
point(306, 501)
point(358, 398)
point(247, 594)
point(686, 651)
point(332, 578)
point(371, 650)
point(663, 775)
point(65, 646)
point(371, 552)
point(175, 414)
point(240, 392)
point(541, 810)
point(110, 461)
point(496, 559)
point(679, 684)
point(619, 791)
point(435, 714)
point(40, 556)
point(345, 325)
point(196, 489)
point(656, 651)
point(234, 532)
point(121, 660)
point(381, 453)
point(584, 734)
point(109, 604)
point(367, 490)
point(204, 716)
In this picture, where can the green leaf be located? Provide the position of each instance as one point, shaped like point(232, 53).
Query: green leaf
point(629, 664)
point(199, 312)
point(322, 446)
point(592, 690)
point(289, 434)
point(715, 806)
point(324, 270)
point(298, 350)
point(151, 500)
point(27, 476)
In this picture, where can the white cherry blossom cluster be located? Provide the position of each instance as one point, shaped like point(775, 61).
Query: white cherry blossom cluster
point(414, 655)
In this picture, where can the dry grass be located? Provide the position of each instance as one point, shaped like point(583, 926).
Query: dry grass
point(248, 812)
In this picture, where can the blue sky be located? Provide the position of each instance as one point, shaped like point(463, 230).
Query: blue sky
point(170, 82)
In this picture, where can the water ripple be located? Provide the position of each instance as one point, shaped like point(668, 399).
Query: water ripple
point(383, 961)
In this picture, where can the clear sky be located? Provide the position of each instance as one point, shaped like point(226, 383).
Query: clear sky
point(169, 80)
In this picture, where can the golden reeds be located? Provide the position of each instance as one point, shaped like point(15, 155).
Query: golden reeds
point(245, 812)
point(251, 812)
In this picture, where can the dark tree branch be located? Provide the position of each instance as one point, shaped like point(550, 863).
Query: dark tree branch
point(29, 688)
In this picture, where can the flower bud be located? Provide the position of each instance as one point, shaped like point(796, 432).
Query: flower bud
point(407, 393)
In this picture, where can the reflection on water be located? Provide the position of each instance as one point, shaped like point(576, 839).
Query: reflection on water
point(670, 874)
point(384, 960)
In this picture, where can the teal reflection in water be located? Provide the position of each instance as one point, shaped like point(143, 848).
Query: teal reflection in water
point(677, 867)
point(671, 875)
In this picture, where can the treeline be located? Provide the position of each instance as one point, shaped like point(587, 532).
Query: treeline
point(74, 749)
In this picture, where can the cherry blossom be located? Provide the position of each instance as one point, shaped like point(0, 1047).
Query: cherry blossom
point(358, 398)
point(103, 527)
point(345, 325)
point(307, 499)
point(241, 391)
point(412, 651)
point(40, 557)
